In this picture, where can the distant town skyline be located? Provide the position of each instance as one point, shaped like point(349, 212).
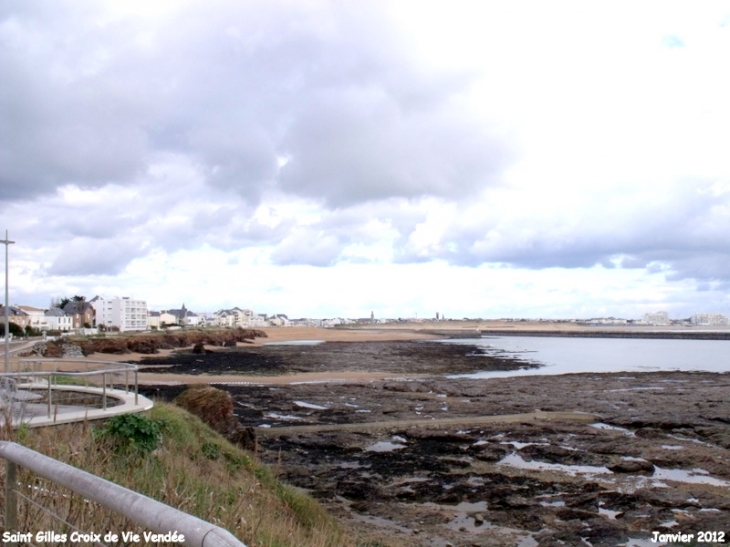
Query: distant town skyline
point(331, 159)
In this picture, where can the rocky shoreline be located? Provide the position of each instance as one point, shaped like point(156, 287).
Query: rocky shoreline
point(390, 456)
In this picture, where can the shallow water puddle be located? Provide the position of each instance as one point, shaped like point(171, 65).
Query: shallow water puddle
point(608, 513)
point(693, 476)
point(464, 521)
point(353, 465)
point(294, 343)
point(284, 417)
point(691, 440)
point(312, 406)
point(553, 503)
point(515, 460)
point(464, 518)
point(384, 446)
point(379, 521)
point(600, 425)
point(519, 446)
point(636, 542)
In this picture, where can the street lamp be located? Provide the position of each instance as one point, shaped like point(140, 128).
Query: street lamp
point(7, 243)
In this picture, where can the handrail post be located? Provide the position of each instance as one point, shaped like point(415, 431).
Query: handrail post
point(50, 376)
point(11, 497)
point(136, 388)
point(103, 391)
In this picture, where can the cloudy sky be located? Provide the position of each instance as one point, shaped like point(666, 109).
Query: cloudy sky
point(327, 158)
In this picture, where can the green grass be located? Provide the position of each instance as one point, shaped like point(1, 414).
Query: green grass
point(63, 380)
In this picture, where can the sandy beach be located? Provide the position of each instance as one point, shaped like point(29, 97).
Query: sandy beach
point(280, 334)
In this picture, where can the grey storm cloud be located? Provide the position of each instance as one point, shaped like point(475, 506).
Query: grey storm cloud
point(94, 257)
point(322, 102)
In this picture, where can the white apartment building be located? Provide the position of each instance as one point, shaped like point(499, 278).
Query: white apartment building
point(124, 313)
point(57, 319)
point(234, 317)
point(656, 318)
point(710, 319)
point(36, 317)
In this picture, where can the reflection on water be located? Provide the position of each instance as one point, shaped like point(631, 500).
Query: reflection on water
point(694, 476)
point(515, 460)
point(563, 355)
point(294, 343)
point(384, 446)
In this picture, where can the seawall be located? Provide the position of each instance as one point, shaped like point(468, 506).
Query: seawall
point(668, 335)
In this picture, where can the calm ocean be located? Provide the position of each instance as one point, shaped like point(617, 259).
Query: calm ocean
point(562, 355)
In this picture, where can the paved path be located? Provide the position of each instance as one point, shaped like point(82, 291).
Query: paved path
point(37, 415)
point(581, 417)
point(152, 378)
point(15, 347)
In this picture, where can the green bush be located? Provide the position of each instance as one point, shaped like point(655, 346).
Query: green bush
point(210, 450)
point(14, 329)
point(134, 432)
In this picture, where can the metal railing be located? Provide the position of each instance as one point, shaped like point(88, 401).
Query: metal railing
point(104, 369)
point(144, 511)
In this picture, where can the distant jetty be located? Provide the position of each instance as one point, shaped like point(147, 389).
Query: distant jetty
point(454, 333)
point(657, 335)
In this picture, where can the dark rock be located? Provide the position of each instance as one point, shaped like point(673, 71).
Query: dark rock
point(603, 533)
point(569, 513)
point(556, 454)
point(244, 437)
point(664, 497)
point(488, 452)
point(631, 466)
point(649, 433)
point(587, 501)
point(519, 501)
point(621, 447)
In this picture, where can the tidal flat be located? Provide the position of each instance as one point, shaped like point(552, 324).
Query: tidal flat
point(424, 459)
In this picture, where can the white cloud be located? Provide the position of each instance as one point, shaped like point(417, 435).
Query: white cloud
point(396, 146)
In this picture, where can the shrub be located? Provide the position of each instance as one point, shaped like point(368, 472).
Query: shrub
point(134, 432)
point(210, 450)
point(14, 329)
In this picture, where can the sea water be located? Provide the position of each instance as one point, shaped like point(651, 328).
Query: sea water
point(565, 355)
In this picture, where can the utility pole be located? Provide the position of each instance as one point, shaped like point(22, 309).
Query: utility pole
point(7, 243)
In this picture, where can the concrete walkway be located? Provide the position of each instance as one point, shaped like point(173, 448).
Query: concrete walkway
point(36, 414)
